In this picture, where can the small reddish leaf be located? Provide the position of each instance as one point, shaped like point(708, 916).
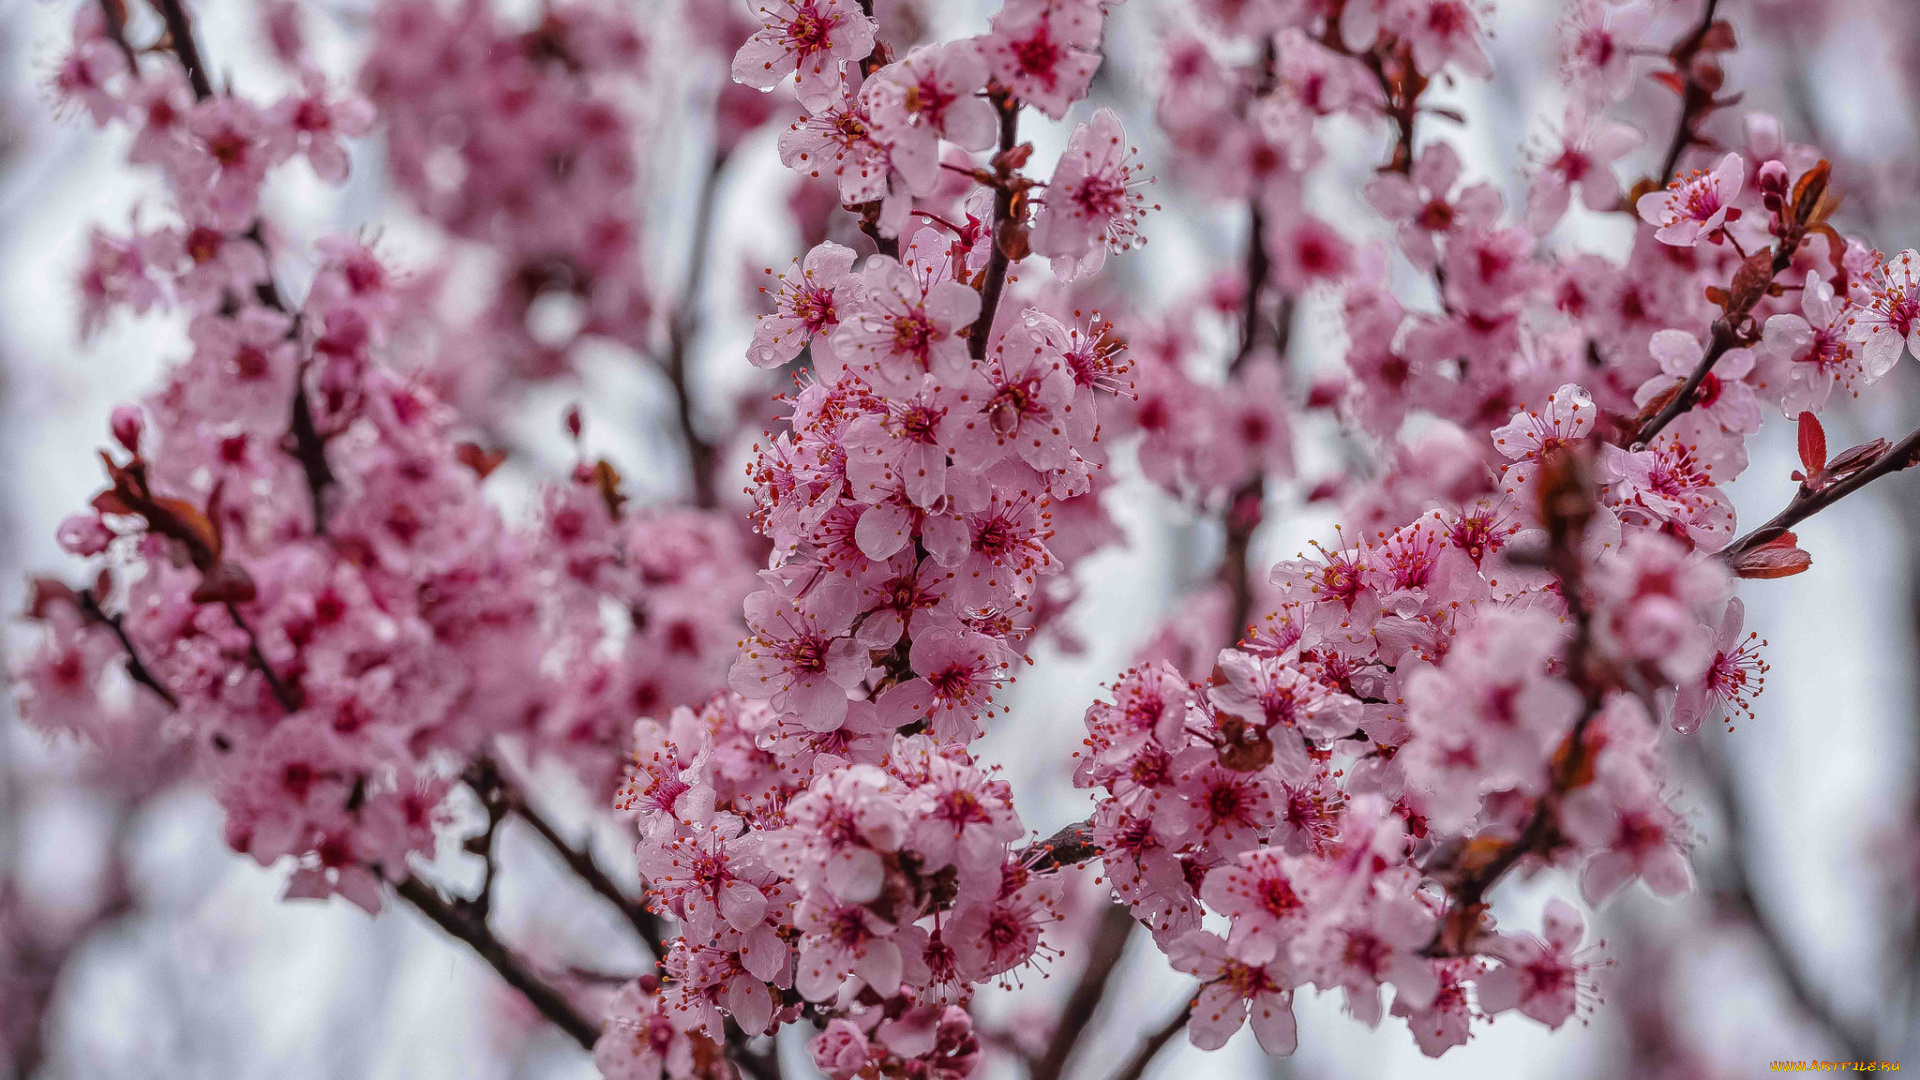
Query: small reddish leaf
point(1777, 558)
point(1718, 38)
point(1813, 444)
point(226, 583)
point(1751, 280)
point(1672, 80)
point(478, 458)
point(44, 592)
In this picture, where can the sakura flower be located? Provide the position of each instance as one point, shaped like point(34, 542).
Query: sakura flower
point(1809, 353)
point(1307, 251)
point(998, 935)
point(1025, 402)
point(1652, 602)
point(1423, 207)
point(961, 817)
point(83, 75)
point(959, 672)
point(1733, 679)
point(808, 301)
point(639, 1040)
point(1531, 437)
point(1229, 808)
point(1443, 1019)
point(117, 272)
point(1442, 32)
point(1231, 992)
point(1580, 155)
point(316, 122)
point(841, 1050)
point(799, 659)
point(808, 36)
point(1547, 978)
point(1597, 43)
point(1258, 892)
point(235, 144)
point(929, 95)
point(1623, 818)
point(1044, 51)
point(1694, 208)
point(1091, 206)
point(908, 321)
point(1886, 314)
point(838, 828)
point(845, 941)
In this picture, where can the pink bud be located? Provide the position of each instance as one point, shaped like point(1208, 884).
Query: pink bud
point(84, 535)
point(574, 423)
point(126, 425)
point(1773, 178)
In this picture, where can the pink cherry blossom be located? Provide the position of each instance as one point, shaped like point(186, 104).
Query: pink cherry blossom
point(812, 37)
point(1091, 206)
point(1694, 208)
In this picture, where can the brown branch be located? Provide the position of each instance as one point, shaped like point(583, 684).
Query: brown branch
point(1006, 230)
point(1109, 944)
point(288, 696)
point(681, 328)
point(1806, 503)
point(180, 40)
point(450, 917)
point(1143, 1055)
point(137, 669)
point(1739, 892)
point(490, 780)
point(1696, 100)
point(1070, 846)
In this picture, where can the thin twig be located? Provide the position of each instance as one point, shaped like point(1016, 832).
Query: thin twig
point(681, 328)
point(137, 670)
point(488, 776)
point(1109, 944)
point(449, 917)
point(1694, 100)
point(1807, 503)
point(1740, 892)
point(1136, 1066)
point(1004, 227)
point(180, 40)
point(286, 694)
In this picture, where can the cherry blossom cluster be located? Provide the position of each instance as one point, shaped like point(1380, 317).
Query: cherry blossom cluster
point(823, 837)
point(516, 138)
point(320, 601)
point(298, 574)
point(1472, 678)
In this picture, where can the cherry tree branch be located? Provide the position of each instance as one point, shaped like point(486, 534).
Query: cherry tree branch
point(1136, 1065)
point(1739, 892)
point(472, 928)
point(681, 328)
point(1108, 945)
point(137, 670)
point(1696, 99)
point(488, 776)
point(1806, 503)
point(180, 40)
point(1006, 230)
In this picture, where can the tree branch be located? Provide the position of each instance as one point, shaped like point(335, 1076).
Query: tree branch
point(681, 328)
point(1109, 944)
point(1136, 1065)
point(449, 917)
point(486, 775)
point(1740, 892)
point(1005, 228)
point(1805, 503)
point(180, 40)
point(1696, 100)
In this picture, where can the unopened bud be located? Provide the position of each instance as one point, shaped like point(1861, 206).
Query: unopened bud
point(126, 425)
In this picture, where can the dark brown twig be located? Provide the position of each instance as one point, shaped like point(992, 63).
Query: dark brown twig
point(1806, 503)
point(486, 775)
point(1006, 230)
point(180, 40)
point(473, 930)
point(1136, 1065)
point(1696, 99)
point(1739, 891)
point(137, 669)
point(681, 328)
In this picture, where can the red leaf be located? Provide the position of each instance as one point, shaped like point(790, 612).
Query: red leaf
point(1813, 444)
point(1777, 558)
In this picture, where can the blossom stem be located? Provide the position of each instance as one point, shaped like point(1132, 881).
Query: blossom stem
point(1003, 227)
point(1726, 335)
point(1805, 503)
point(449, 916)
point(137, 669)
point(180, 40)
point(286, 694)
